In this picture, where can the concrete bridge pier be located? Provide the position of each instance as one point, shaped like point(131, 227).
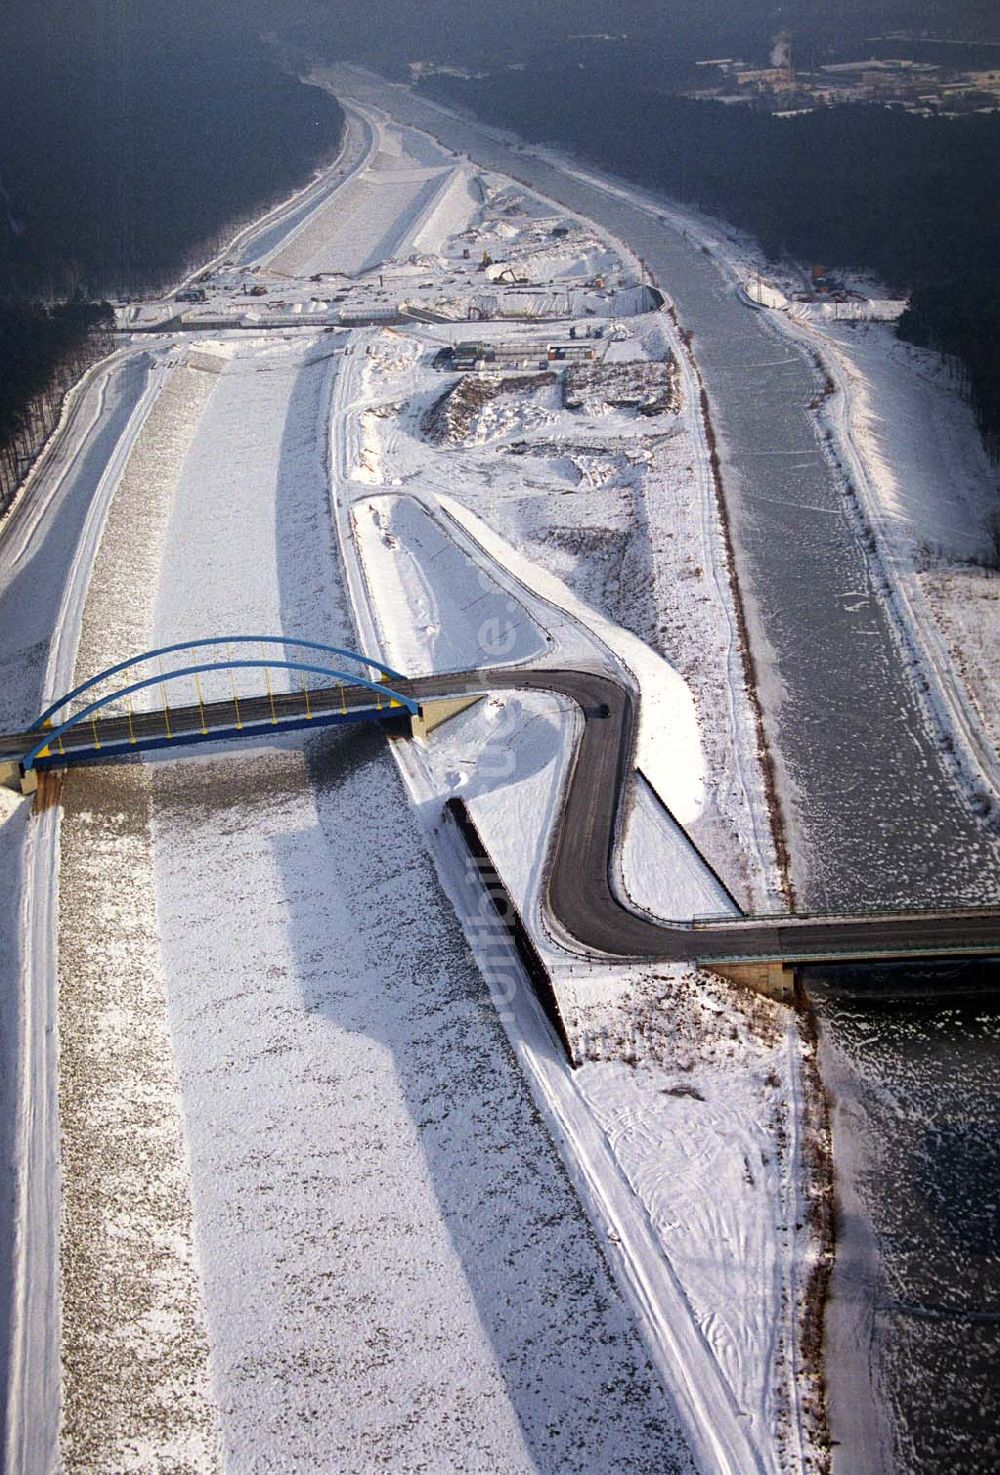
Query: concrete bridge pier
point(770, 977)
point(12, 776)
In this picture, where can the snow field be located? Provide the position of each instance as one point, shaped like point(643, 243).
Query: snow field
point(658, 873)
point(964, 602)
point(354, 1116)
point(366, 223)
point(449, 213)
point(507, 758)
point(668, 745)
point(135, 1353)
point(638, 540)
point(763, 1058)
point(725, 1121)
point(115, 622)
point(397, 1272)
point(341, 1067)
point(440, 622)
point(925, 459)
point(229, 500)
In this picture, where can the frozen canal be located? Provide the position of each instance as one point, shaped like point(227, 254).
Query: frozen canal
point(916, 1080)
point(361, 1229)
point(875, 816)
point(874, 812)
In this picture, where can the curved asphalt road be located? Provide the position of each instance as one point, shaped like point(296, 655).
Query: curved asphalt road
point(580, 896)
point(871, 806)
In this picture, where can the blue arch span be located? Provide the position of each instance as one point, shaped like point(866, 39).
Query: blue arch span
point(169, 650)
point(53, 734)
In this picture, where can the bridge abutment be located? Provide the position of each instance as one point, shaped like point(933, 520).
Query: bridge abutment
point(435, 712)
point(10, 775)
point(772, 978)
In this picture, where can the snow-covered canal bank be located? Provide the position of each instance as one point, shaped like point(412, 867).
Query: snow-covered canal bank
point(879, 805)
point(321, 1206)
point(394, 1269)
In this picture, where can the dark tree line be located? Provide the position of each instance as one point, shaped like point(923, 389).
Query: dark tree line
point(134, 139)
point(650, 42)
point(127, 146)
point(914, 199)
point(960, 316)
point(43, 351)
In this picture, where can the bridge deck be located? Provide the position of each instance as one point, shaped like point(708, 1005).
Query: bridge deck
point(580, 895)
point(240, 717)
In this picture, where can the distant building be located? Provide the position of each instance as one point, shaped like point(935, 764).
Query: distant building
point(726, 66)
point(470, 356)
point(373, 313)
point(876, 66)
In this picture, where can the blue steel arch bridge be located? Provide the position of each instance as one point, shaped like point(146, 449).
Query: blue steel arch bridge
point(190, 692)
point(196, 696)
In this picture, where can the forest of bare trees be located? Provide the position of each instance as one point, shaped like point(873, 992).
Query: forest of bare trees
point(133, 142)
point(43, 351)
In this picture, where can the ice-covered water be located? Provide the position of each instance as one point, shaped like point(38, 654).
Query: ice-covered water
point(916, 1087)
point(875, 816)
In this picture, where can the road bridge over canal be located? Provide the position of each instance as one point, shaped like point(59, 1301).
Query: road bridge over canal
point(335, 686)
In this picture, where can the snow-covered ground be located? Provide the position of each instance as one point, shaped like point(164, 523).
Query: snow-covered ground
point(368, 224)
point(507, 759)
point(387, 232)
point(414, 569)
point(359, 1216)
point(131, 1297)
point(353, 1172)
point(618, 508)
point(525, 506)
point(906, 447)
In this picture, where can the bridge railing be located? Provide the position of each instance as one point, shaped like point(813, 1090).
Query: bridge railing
point(50, 738)
point(839, 914)
point(376, 668)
